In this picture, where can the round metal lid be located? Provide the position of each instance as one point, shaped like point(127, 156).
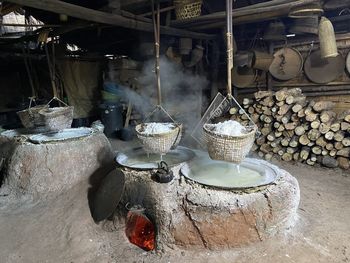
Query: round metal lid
point(243, 76)
point(138, 159)
point(250, 173)
point(23, 131)
point(66, 134)
point(348, 62)
point(287, 64)
point(323, 70)
point(108, 195)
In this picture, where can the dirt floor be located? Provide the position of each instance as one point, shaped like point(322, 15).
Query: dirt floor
point(61, 229)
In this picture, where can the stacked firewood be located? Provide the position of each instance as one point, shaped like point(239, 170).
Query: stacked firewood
point(295, 129)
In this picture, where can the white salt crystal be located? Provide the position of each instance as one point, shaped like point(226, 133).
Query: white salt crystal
point(231, 128)
point(157, 128)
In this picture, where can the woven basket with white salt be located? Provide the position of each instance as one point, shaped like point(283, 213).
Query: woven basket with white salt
point(159, 137)
point(229, 141)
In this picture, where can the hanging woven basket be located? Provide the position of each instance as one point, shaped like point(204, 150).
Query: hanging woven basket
point(30, 118)
point(57, 118)
point(229, 148)
point(159, 143)
point(185, 9)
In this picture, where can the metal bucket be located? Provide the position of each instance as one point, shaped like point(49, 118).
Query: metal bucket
point(112, 118)
point(287, 64)
point(323, 70)
point(276, 31)
point(328, 43)
point(243, 76)
point(307, 25)
point(262, 60)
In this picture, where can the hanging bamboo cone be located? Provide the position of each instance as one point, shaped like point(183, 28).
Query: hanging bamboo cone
point(328, 43)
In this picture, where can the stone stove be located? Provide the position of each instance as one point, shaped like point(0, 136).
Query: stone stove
point(190, 215)
point(38, 170)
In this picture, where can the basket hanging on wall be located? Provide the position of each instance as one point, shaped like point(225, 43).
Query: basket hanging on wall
point(328, 43)
point(185, 9)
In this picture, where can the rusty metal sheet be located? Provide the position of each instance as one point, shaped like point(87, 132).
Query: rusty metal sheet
point(323, 70)
point(287, 64)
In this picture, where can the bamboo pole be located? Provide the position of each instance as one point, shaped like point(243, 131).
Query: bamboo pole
point(156, 26)
point(229, 45)
point(25, 57)
point(53, 84)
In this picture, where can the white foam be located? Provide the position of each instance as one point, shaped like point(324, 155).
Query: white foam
point(157, 128)
point(231, 128)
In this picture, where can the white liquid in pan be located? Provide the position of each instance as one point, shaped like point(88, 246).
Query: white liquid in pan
point(141, 160)
point(225, 174)
point(250, 173)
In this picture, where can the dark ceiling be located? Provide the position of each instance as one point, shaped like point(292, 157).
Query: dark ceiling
point(110, 39)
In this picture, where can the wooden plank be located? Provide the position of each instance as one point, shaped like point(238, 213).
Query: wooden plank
point(169, 8)
point(133, 3)
point(84, 13)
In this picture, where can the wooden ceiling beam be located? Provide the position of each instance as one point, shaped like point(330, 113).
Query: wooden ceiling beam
point(127, 3)
point(243, 14)
point(88, 14)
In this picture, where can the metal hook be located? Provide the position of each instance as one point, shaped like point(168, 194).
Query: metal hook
point(344, 10)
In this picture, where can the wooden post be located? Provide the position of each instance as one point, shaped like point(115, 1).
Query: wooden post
point(229, 45)
point(156, 25)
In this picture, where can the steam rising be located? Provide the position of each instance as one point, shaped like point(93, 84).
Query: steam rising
point(181, 92)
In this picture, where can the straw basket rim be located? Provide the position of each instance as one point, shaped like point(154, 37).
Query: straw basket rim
point(177, 126)
point(35, 108)
point(56, 111)
point(224, 136)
